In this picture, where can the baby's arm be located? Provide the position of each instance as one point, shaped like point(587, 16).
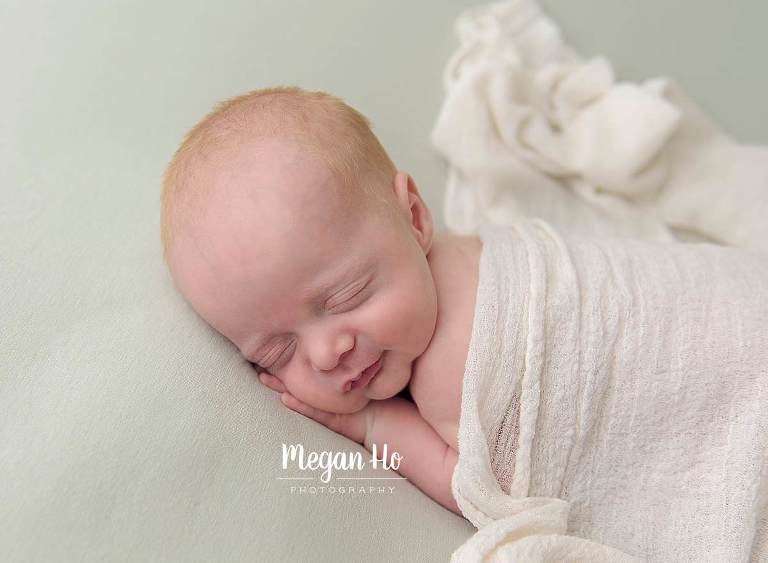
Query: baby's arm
point(427, 460)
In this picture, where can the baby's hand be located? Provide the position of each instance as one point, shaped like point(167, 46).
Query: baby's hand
point(354, 425)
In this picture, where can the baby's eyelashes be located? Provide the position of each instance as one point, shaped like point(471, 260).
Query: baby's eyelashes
point(346, 298)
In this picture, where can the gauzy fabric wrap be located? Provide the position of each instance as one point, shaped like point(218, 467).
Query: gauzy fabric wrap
point(530, 128)
point(615, 401)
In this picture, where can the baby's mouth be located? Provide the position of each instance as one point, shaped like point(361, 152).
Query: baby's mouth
point(366, 375)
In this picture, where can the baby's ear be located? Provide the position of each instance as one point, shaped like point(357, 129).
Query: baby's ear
point(416, 212)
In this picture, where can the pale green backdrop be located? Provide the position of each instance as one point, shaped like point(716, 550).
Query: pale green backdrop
point(128, 430)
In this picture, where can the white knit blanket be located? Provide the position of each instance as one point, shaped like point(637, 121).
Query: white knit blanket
point(615, 401)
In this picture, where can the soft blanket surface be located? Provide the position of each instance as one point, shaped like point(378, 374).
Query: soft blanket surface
point(614, 400)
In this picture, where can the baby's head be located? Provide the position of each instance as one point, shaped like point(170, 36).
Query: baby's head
point(290, 231)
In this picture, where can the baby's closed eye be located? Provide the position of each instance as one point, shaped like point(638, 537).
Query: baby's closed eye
point(345, 301)
point(347, 298)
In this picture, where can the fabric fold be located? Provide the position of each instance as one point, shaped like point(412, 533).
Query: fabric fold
point(614, 399)
point(531, 129)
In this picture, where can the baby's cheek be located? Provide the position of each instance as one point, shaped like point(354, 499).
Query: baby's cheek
point(307, 396)
point(409, 317)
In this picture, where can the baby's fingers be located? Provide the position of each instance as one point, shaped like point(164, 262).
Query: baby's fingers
point(330, 420)
point(294, 404)
point(272, 382)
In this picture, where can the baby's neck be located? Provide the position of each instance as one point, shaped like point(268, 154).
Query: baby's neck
point(437, 377)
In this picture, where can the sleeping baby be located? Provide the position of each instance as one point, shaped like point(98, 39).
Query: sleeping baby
point(290, 231)
point(579, 394)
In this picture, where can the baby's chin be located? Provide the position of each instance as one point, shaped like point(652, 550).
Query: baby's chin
point(385, 386)
point(389, 383)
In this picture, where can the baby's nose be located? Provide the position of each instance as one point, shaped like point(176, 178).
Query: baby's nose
point(333, 352)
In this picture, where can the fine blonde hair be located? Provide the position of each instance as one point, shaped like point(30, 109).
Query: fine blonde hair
point(321, 123)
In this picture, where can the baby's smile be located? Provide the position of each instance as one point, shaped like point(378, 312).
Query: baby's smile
point(366, 375)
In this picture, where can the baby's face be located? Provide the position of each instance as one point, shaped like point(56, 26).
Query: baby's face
point(306, 288)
